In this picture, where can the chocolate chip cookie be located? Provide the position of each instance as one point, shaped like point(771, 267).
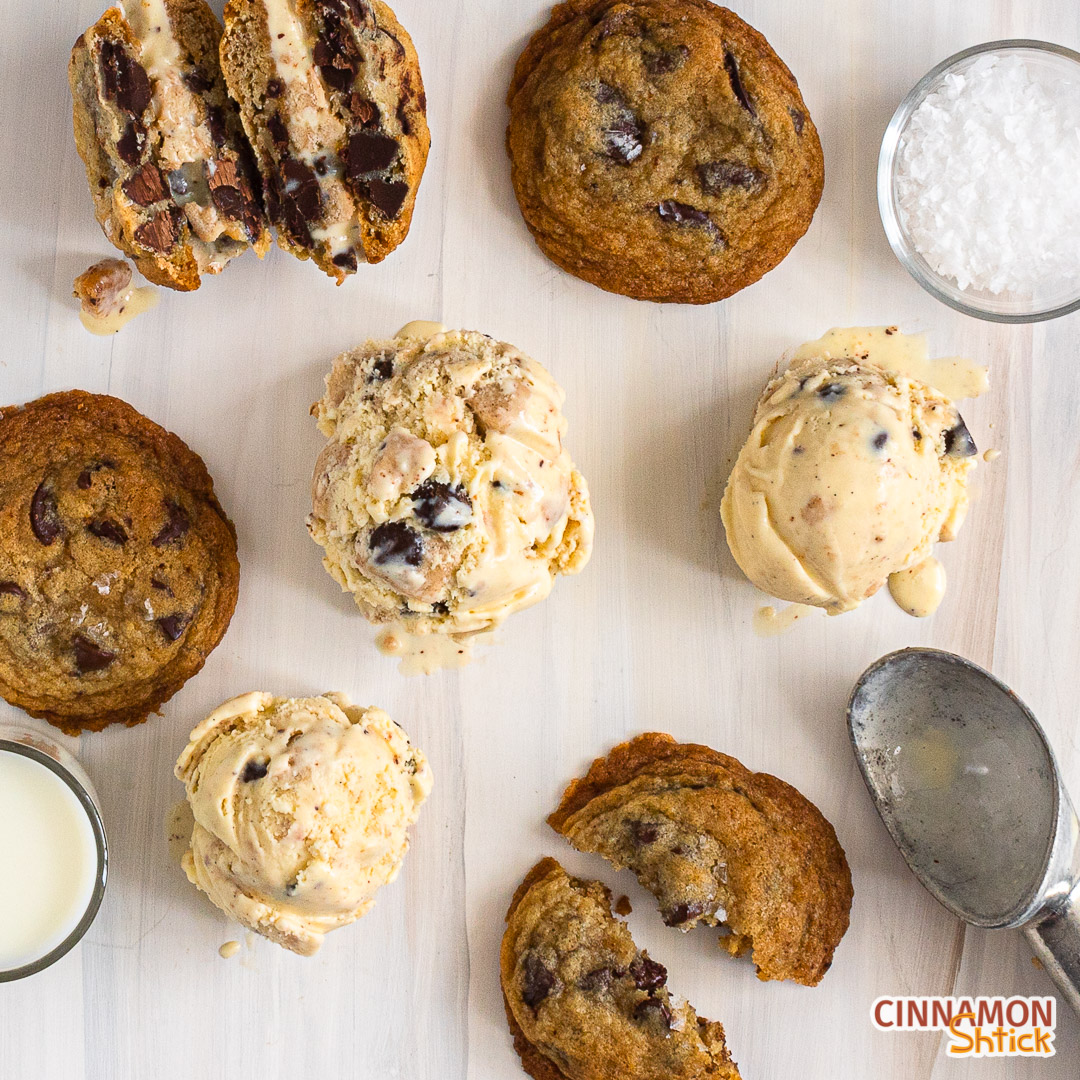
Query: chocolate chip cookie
point(584, 1003)
point(333, 103)
point(660, 148)
point(169, 168)
point(719, 845)
point(118, 569)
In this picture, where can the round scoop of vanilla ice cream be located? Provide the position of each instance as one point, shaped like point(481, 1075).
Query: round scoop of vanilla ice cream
point(301, 808)
point(445, 499)
point(850, 474)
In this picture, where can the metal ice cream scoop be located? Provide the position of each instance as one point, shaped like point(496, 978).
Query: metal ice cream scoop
point(966, 783)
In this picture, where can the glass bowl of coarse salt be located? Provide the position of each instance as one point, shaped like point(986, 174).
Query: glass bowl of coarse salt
point(979, 181)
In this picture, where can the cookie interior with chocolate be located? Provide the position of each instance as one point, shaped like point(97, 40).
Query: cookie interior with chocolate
point(333, 103)
point(718, 845)
point(169, 168)
point(584, 1003)
point(660, 148)
point(118, 567)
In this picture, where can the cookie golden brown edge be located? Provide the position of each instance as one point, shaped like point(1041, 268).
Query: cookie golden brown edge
point(720, 845)
point(118, 565)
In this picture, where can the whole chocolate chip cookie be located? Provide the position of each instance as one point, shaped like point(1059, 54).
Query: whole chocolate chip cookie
point(118, 569)
point(660, 148)
point(719, 845)
point(332, 100)
point(584, 1003)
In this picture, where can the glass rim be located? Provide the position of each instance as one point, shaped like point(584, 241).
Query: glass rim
point(902, 247)
point(101, 845)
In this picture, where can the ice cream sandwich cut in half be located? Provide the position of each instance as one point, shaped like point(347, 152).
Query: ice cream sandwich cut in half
point(333, 104)
point(170, 171)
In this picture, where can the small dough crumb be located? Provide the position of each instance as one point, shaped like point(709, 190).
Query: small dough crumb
point(622, 906)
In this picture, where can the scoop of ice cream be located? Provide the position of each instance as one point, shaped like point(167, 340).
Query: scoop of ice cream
point(445, 498)
point(850, 474)
point(301, 810)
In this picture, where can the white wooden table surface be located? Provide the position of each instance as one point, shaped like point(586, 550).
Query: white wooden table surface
point(655, 634)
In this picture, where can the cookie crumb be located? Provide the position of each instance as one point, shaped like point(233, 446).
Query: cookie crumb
point(622, 906)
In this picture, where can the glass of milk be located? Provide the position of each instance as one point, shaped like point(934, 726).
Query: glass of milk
point(52, 849)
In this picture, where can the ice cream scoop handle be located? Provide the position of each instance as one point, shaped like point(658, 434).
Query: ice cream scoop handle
point(1055, 940)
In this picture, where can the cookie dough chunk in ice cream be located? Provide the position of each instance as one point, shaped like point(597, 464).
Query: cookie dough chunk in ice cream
point(445, 499)
point(302, 808)
point(851, 473)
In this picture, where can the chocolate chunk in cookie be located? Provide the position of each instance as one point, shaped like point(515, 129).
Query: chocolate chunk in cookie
point(118, 570)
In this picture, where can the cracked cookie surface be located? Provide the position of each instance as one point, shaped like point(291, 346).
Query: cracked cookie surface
point(718, 845)
point(660, 148)
point(118, 568)
point(584, 1003)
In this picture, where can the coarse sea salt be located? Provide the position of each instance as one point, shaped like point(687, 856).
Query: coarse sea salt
point(988, 178)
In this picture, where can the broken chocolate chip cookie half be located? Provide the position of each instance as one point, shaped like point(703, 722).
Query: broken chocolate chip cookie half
point(171, 173)
point(333, 103)
point(584, 1003)
point(720, 846)
point(660, 148)
point(118, 567)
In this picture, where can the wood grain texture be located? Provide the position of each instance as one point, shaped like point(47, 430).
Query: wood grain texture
point(655, 634)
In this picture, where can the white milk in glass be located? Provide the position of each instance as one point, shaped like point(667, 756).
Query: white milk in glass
point(49, 860)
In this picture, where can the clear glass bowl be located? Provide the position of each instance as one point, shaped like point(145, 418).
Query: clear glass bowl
point(1049, 301)
point(39, 747)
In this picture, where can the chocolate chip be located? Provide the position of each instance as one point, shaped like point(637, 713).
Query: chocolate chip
point(799, 120)
point(197, 82)
point(916, 434)
point(90, 657)
point(682, 913)
point(86, 477)
point(146, 187)
point(403, 117)
point(440, 608)
point(346, 260)
point(653, 1009)
point(132, 143)
point(279, 133)
point(718, 176)
point(664, 61)
point(879, 440)
point(254, 770)
point(394, 541)
point(275, 88)
point(172, 626)
point(537, 981)
point(301, 200)
point(291, 887)
point(382, 368)
point(160, 232)
point(958, 441)
point(365, 111)
point(678, 213)
point(368, 152)
point(123, 79)
point(441, 507)
point(176, 524)
point(107, 529)
point(831, 391)
point(44, 515)
point(731, 66)
point(623, 132)
point(388, 196)
point(594, 981)
point(647, 974)
point(9, 588)
point(215, 122)
point(336, 53)
point(643, 832)
point(232, 203)
point(157, 583)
